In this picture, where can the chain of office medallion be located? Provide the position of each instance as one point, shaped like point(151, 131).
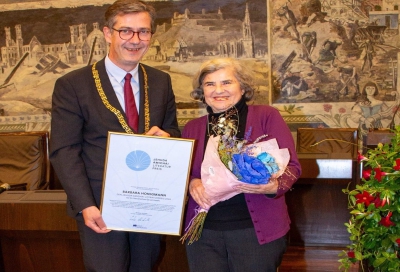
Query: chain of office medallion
point(120, 117)
point(146, 101)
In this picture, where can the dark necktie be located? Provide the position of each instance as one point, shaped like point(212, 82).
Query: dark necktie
point(130, 105)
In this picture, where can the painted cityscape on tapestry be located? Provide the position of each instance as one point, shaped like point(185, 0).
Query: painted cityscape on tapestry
point(34, 55)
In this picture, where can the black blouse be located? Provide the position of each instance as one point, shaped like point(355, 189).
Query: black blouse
point(231, 214)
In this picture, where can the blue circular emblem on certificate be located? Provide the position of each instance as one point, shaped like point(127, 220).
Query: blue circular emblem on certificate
point(138, 160)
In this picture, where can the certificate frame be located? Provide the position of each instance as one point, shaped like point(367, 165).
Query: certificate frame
point(145, 183)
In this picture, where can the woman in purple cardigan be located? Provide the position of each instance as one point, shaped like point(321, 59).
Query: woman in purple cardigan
point(248, 231)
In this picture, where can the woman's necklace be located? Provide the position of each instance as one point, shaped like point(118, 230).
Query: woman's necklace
point(226, 123)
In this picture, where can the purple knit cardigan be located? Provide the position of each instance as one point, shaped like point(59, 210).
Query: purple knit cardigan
point(269, 215)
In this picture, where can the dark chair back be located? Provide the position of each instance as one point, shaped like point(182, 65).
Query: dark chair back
point(24, 159)
point(337, 142)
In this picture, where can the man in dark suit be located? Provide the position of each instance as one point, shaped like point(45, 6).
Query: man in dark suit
point(87, 104)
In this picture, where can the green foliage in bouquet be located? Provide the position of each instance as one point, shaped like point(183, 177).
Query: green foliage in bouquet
point(374, 205)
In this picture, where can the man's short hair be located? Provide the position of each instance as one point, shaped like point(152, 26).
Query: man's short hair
point(121, 7)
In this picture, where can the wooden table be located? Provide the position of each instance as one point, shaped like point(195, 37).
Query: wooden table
point(36, 235)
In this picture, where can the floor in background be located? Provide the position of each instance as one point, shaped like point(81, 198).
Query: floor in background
point(304, 259)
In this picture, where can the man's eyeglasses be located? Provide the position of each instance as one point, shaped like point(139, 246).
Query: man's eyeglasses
point(127, 34)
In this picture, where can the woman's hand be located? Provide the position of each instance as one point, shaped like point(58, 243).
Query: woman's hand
point(197, 191)
point(270, 188)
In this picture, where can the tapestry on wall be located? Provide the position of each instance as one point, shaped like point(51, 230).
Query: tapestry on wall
point(41, 41)
point(335, 63)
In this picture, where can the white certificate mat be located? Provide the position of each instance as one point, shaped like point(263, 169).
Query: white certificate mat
point(145, 183)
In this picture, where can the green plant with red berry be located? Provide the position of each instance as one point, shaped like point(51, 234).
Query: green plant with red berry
point(374, 205)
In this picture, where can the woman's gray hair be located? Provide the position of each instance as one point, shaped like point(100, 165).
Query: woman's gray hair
point(127, 7)
point(242, 74)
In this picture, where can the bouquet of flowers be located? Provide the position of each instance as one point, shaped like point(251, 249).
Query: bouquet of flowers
point(228, 162)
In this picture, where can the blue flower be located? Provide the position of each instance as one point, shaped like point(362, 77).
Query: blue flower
point(269, 162)
point(250, 169)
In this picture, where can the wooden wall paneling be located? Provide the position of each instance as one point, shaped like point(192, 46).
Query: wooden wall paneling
point(27, 251)
point(36, 234)
point(318, 211)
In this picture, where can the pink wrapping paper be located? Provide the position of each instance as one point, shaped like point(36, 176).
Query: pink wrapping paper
point(219, 181)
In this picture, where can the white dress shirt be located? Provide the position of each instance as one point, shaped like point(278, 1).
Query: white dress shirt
point(117, 78)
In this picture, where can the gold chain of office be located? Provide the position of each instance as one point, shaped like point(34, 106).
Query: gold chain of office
point(120, 117)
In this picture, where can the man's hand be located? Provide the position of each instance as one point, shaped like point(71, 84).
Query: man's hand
point(156, 131)
point(94, 220)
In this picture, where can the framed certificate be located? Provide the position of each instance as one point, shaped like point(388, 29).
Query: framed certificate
point(145, 183)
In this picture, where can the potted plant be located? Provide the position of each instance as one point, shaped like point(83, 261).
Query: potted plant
point(374, 205)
